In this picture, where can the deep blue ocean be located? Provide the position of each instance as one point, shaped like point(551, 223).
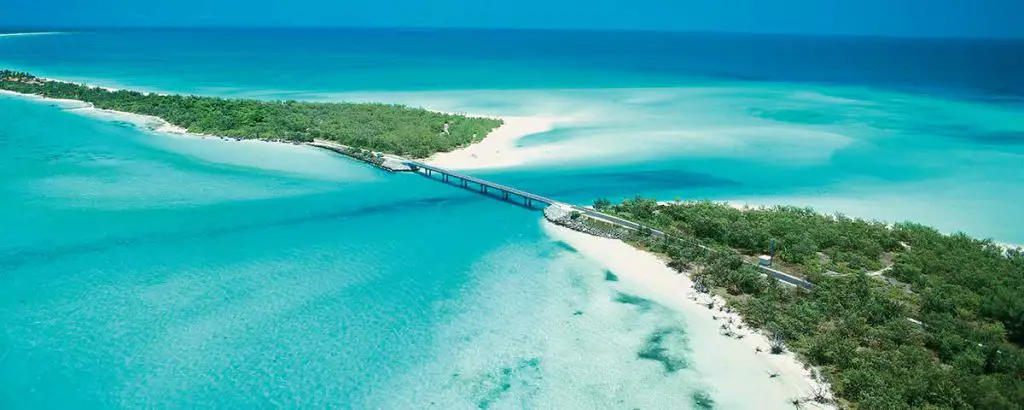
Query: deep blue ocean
point(140, 269)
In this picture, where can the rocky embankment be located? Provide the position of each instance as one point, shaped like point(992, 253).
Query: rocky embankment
point(565, 216)
point(383, 161)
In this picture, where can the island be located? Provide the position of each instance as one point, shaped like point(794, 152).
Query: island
point(388, 128)
point(896, 316)
point(886, 316)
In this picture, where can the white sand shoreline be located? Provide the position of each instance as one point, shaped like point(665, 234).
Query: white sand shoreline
point(737, 362)
point(145, 122)
point(496, 150)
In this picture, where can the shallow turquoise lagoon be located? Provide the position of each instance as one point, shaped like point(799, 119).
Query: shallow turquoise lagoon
point(147, 270)
point(139, 271)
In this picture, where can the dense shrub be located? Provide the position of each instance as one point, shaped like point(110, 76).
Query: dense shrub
point(388, 128)
point(968, 293)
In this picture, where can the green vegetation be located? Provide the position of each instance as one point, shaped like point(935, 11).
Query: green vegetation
point(962, 350)
point(388, 128)
point(362, 155)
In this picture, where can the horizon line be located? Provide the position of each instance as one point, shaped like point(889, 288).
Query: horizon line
point(20, 29)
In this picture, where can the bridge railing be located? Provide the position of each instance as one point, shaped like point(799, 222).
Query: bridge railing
point(481, 182)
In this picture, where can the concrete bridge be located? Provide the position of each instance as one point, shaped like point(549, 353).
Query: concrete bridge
point(486, 187)
point(508, 193)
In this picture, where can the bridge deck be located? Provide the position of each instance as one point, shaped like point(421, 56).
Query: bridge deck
point(482, 182)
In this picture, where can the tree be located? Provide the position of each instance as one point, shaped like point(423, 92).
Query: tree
point(388, 128)
point(962, 351)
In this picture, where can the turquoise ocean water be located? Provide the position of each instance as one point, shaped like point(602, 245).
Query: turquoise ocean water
point(147, 270)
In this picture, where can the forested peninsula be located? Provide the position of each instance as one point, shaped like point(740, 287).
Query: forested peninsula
point(900, 316)
point(390, 128)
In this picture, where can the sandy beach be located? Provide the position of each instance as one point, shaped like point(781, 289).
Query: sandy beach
point(146, 122)
point(498, 149)
point(735, 365)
